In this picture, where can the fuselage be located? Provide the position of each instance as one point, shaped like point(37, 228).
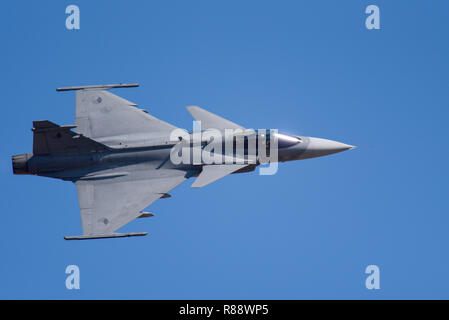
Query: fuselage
point(154, 157)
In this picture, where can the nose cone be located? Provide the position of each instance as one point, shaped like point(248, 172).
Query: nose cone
point(318, 147)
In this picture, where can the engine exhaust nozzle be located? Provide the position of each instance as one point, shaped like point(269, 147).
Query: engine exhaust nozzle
point(20, 163)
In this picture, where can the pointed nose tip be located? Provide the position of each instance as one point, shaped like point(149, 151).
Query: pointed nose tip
point(320, 147)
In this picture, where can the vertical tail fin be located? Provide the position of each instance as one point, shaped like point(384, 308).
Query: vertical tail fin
point(50, 138)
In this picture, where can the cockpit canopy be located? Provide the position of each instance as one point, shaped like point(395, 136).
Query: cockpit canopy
point(285, 140)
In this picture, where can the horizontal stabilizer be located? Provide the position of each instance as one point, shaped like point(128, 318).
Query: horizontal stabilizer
point(215, 172)
point(210, 120)
point(104, 236)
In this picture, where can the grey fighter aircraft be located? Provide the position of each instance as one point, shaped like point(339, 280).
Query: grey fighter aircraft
point(120, 157)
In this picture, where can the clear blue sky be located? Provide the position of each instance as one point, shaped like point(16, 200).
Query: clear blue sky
point(304, 67)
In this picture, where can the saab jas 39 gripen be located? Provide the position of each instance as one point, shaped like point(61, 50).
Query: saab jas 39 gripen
point(122, 159)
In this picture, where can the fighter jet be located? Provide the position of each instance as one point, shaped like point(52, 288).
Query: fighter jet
point(122, 159)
